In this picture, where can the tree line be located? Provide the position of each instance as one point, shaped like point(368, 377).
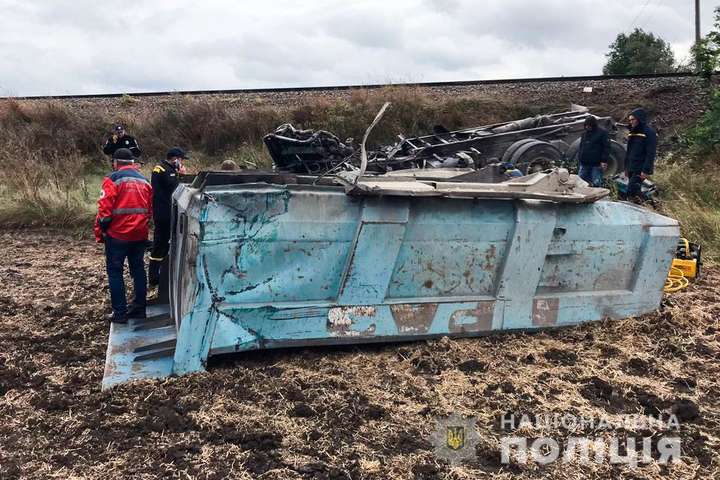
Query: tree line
point(641, 52)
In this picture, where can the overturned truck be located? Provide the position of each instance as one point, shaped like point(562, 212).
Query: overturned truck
point(270, 260)
point(530, 145)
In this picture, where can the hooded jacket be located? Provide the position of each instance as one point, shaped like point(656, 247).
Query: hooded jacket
point(594, 145)
point(641, 146)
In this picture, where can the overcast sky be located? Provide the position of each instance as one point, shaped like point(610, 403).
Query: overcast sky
point(93, 46)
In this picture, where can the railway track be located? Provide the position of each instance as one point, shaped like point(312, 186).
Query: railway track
point(339, 88)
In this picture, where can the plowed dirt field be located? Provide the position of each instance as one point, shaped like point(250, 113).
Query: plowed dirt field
point(351, 412)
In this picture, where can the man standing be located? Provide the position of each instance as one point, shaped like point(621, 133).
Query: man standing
point(640, 156)
point(164, 182)
point(120, 139)
point(122, 224)
point(593, 152)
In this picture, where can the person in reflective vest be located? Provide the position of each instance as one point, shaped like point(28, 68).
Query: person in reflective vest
point(641, 151)
point(124, 211)
point(164, 181)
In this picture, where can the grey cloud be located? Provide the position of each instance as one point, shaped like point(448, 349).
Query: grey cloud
point(86, 46)
point(364, 27)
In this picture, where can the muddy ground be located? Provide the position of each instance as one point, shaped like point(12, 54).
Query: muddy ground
point(355, 412)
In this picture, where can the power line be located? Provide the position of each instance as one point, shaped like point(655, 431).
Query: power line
point(633, 23)
point(654, 10)
point(697, 21)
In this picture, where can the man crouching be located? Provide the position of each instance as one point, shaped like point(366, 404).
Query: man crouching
point(124, 210)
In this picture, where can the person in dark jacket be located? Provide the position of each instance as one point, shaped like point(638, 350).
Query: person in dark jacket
point(641, 150)
point(120, 139)
point(164, 181)
point(593, 152)
point(122, 225)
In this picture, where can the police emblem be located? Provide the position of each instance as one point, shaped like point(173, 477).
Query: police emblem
point(455, 438)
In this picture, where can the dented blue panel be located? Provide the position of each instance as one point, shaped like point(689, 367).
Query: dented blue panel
point(297, 265)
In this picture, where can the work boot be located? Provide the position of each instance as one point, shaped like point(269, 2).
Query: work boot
point(153, 294)
point(136, 312)
point(115, 318)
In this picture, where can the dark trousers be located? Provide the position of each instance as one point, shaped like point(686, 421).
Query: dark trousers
point(634, 184)
point(161, 246)
point(116, 251)
point(591, 174)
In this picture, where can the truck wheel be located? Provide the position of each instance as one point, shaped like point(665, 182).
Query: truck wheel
point(616, 162)
point(571, 154)
point(507, 156)
point(536, 156)
point(561, 145)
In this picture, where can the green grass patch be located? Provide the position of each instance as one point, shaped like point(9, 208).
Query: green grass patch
point(691, 194)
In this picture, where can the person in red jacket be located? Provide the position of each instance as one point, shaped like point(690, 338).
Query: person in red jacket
point(124, 210)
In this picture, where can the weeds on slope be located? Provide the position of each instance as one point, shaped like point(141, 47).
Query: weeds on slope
point(51, 156)
point(44, 188)
point(51, 159)
point(691, 194)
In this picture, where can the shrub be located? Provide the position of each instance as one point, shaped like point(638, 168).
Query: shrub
point(704, 138)
point(691, 194)
point(44, 189)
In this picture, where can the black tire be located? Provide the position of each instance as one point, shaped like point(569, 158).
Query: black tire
point(507, 156)
point(536, 156)
point(561, 145)
point(571, 154)
point(616, 162)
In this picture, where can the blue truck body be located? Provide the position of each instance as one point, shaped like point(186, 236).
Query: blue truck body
point(257, 265)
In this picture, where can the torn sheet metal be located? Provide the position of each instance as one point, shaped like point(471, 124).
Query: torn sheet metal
point(557, 186)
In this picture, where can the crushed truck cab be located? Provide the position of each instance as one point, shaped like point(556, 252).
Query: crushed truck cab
point(278, 260)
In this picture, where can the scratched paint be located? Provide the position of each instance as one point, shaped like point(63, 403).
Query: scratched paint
point(478, 319)
point(545, 312)
point(413, 318)
point(351, 321)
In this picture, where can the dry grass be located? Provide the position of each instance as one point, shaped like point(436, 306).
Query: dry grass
point(41, 188)
point(691, 193)
point(213, 129)
point(51, 162)
point(51, 159)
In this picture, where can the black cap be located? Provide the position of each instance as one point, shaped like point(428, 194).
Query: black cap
point(123, 155)
point(592, 122)
point(640, 114)
point(118, 127)
point(176, 152)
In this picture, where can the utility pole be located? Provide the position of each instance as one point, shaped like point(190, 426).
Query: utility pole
point(697, 22)
point(698, 64)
